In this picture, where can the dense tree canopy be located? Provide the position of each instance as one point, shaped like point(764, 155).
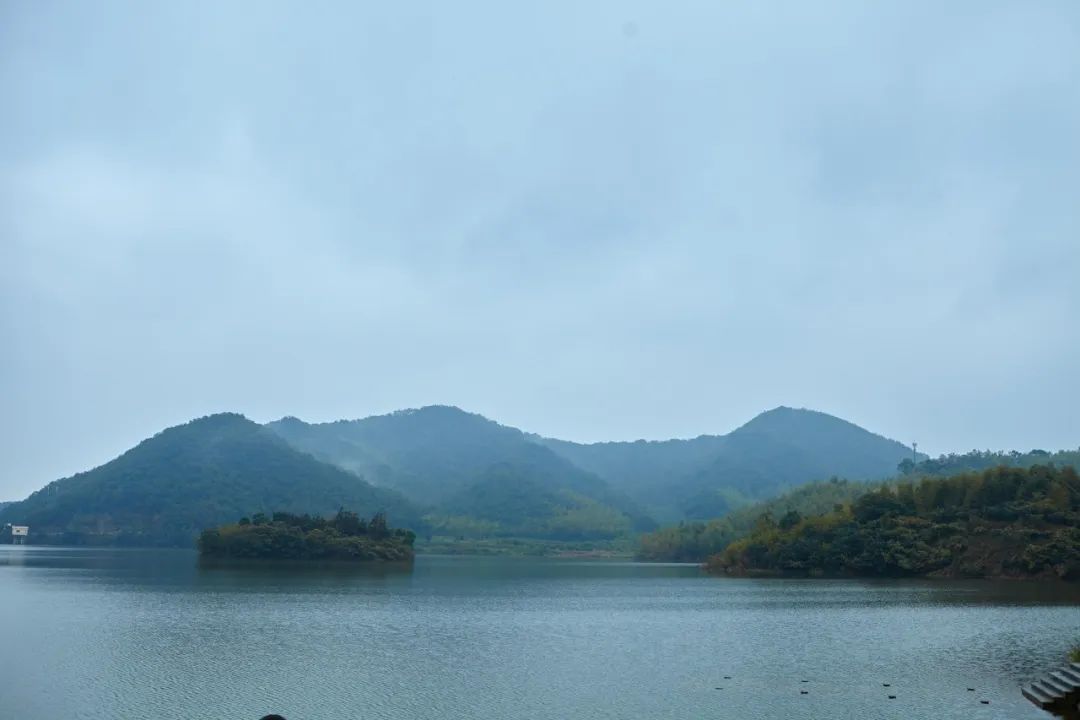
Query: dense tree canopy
point(696, 541)
point(287, 536)
point(1004, 521)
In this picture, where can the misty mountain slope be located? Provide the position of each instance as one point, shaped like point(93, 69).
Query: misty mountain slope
point(464, 466)
point(426, 454)
point(782, 448)
point(536, 497)
point(204, 473)
point(845, 448)
point(644, 469)
point(710, 475)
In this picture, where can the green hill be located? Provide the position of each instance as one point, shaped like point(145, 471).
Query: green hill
point(475, 478)
point(187, 478)
point(711, 475)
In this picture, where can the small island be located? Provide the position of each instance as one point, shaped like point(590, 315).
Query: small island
point(285, 536)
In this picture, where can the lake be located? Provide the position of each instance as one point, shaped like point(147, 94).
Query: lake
point(96, 633)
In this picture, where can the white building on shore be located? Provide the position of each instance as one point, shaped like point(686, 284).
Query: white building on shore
point(19, 534)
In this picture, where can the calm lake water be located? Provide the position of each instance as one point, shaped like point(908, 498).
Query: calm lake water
point(89, 633)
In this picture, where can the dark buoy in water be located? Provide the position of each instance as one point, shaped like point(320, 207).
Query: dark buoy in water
point(804, 681)
point(804, 692)
point(719, 688)
point(985, 702)
point(892, 697)
point(971, 689)
point(727, 677)
point(884, 684)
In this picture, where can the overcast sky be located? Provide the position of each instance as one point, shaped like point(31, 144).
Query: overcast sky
point(604, 220)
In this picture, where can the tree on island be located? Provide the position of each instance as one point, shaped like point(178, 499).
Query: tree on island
point(283, 535)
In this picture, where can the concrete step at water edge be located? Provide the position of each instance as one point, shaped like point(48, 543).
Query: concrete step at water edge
point(1070, 673)
point(1036, 696)
point(1048, 689)
point(1064, 678)
point(1059, 687)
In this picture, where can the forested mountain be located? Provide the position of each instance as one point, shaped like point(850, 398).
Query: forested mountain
point(473, 476)
point(427, 454)
point(447, 473)
point(194, 476)
point(1002, 522)
point(478, 478)
point(711, 475)
point(538, 494)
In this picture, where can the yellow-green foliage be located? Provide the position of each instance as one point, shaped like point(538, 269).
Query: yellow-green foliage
point(582, 516)
point(695, 541)
point(1003, 521)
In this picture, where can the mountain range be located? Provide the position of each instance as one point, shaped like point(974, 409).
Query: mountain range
point(444, 472)
point(710, 475)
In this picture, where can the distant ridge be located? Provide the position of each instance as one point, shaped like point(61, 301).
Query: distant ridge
point(709, 475)
point(446, 472)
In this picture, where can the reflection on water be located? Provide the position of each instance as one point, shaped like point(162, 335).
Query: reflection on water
point(108, 633)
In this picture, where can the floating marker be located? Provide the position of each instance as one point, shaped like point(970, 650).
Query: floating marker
point(892, 697)
point(971, 689)
point(804, 681)
point(727, 677)
point(885, 684)
point(804, 692)
point(985, 702)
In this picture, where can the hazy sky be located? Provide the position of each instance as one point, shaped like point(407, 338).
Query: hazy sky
point(603, 220)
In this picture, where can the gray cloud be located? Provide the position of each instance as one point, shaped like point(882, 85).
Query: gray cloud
point(331, 211)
